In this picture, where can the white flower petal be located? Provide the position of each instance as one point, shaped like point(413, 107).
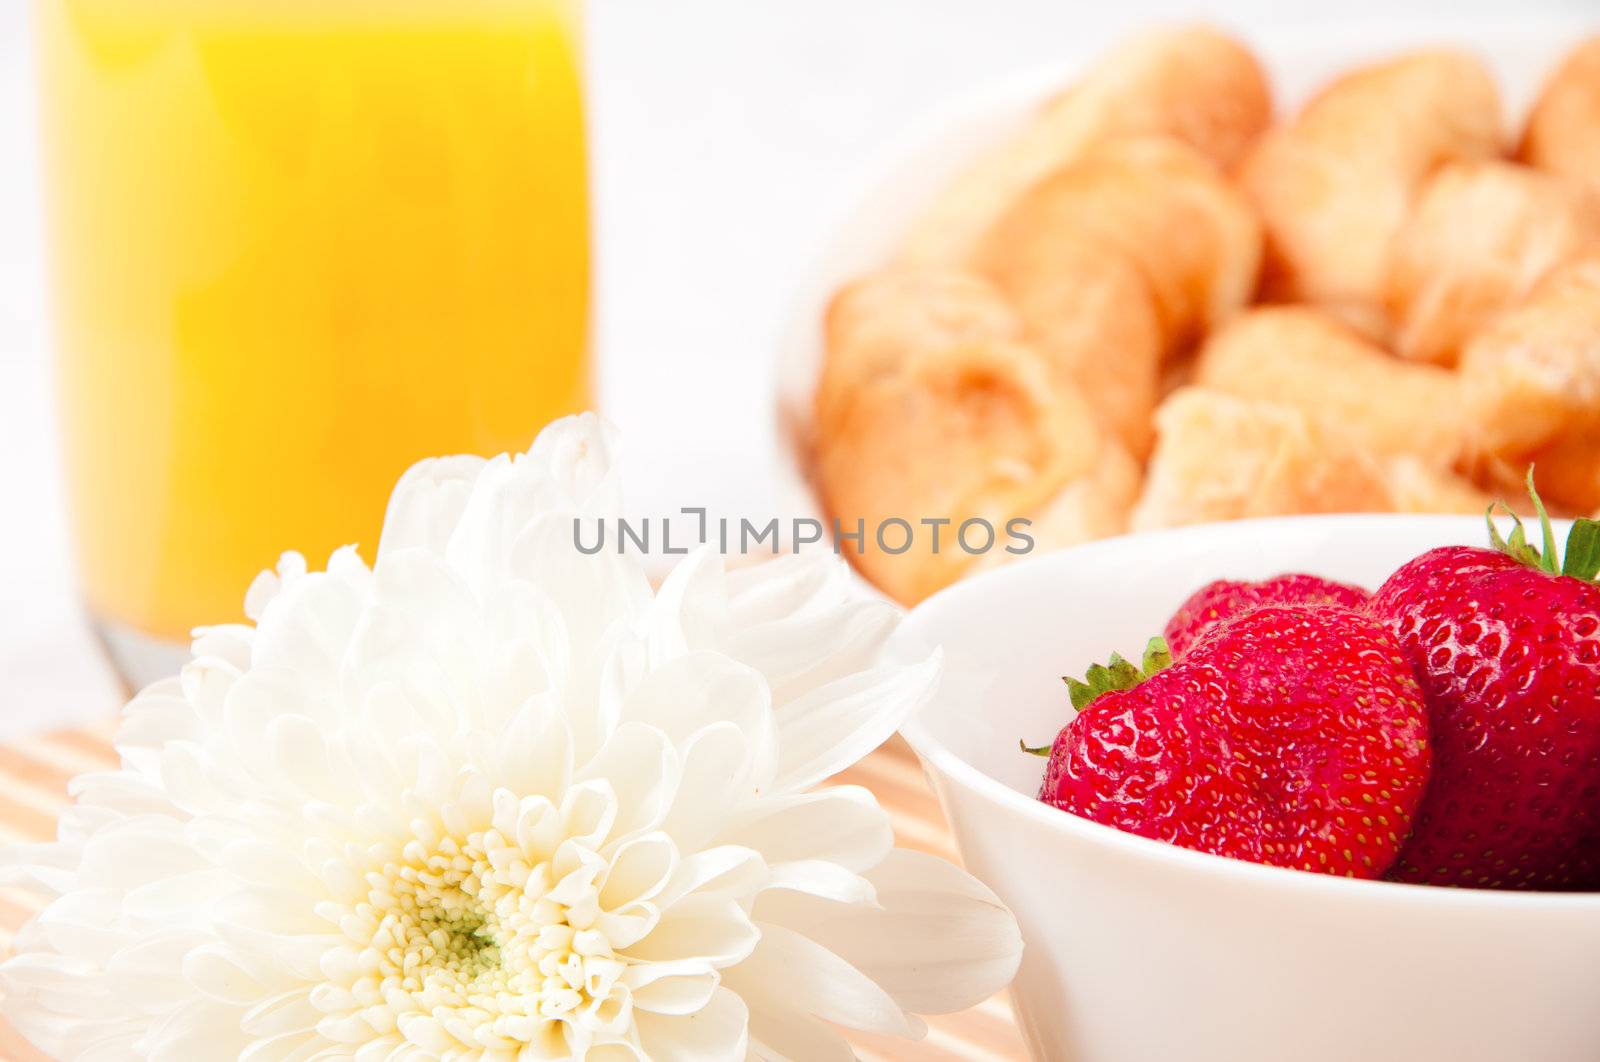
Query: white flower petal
point(779, 1034)
point(718, 1032)
point(230, 976)
point(591, 592)
point(640, 868)
point(685, 695)
point(674, 993)
point(86, 922)
point(227, 642)
point(287, 1012)
point(700, 926)
point(642, 768)
point(427, 503)
point(714, 782)
point(941, 941)
point(727, 870)
point(198, 1031)
point(790, 970)
point(818, 877)
point(690, 608)
point(803, 624)
point(842, 824)
point(150, 970)
point(260, 863)
point(305, 628)
point(833, 726)
point(291, 566)
point(156, 716)
point(178, 898)
point(533, 754)
point(580, 458)
point(137, 852)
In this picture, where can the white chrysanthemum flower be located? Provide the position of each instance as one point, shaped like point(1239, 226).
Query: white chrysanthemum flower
point(494, 799)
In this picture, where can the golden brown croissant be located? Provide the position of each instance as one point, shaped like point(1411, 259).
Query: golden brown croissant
point(1195, 83)
point(1481, 235)
point(1532, 376)
point(1089, 312)
point(1300, 357)
point(1091, 506)
point(1334, 186)
point(1418, 486)
point(1568, 468)
point(876, 324)
point(1155, 200)
point(1563, 130)
point(978, 431)
point(1222, 457)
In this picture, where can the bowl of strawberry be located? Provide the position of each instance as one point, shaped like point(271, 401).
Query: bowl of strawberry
point(1342, 802)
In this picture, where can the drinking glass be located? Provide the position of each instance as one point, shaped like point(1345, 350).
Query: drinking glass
point(294, 246)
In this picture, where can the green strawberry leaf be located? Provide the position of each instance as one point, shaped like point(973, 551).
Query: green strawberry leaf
point(1583, 550)
point(1583, 541)
point(1550, 555)
point(1516, 545)
point(1118, 674)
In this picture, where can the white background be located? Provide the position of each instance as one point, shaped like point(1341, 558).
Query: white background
point(726, 134)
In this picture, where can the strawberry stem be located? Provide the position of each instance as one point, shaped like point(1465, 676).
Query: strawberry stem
point(1117, 674)
point(1550, 554)
point(1583, 541)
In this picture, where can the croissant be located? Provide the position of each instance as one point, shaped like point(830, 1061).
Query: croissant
point(1481, 235)
point(1088, 507)
point(1334, 186)
point(980, 431)
point(1194, 83)
point(1418, 486)
point(1532, 376)
point(1568, 468)
point(1154, 200)
point(1222, 457)
point(878, 322)
point(1563, 130)
point(1300, 357)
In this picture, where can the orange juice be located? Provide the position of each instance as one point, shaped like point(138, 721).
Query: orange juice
point(295, 246)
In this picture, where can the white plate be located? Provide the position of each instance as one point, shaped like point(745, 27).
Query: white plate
point(1137, 950)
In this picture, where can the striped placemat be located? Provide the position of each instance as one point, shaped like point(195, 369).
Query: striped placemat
point(33, 782)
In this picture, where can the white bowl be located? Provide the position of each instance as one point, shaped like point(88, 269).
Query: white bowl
point(894, 188)
point(1138, 950)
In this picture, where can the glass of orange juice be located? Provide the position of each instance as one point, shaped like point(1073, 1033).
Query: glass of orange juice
point(295, 246)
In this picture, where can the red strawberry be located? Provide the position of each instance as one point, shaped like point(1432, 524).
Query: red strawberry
point(1508, 653)
point(1291, 736)
point(1224, 599)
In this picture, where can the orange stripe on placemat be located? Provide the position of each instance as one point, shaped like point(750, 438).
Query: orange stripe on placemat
point(16, 907)
point(48, 779)
point(34, 774)
point(13, 1048)
point(94, 743)
point(947, 1041)
point(67, 758)
point(26, 814)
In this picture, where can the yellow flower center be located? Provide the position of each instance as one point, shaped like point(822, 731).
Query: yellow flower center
point(473, 940)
